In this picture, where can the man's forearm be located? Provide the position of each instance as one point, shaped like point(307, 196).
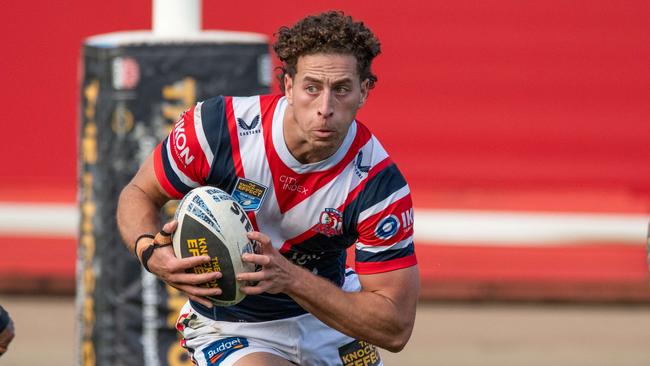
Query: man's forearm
point(366, 315)
point(137, 214)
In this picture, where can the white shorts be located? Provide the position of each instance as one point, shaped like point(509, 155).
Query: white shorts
point(303, 339)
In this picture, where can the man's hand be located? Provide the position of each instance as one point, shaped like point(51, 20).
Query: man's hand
point(164, 264)
point(6, 336)
point(277, 274)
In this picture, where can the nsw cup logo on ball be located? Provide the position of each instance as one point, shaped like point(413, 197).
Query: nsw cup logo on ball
point(211, 222)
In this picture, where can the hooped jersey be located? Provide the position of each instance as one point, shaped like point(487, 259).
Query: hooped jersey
point(312, 212)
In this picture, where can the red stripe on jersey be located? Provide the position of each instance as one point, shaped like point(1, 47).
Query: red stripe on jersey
point(186, 150)
point(283, 176)
point(351, 197)
point(234, 140)
point(236, 152)
point(297, 240)
point(366, 268)
point(401, 209)
point(160, 173)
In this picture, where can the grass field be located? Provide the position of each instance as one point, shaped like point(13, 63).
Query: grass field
point(446, 334)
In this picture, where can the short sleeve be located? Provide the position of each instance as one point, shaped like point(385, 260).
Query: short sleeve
point(385, 225)
point(184, 159)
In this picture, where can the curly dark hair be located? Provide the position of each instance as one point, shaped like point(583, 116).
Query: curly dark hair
point(329, 32)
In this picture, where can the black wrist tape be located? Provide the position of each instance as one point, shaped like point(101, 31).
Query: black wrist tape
point(147, 253)
point(135, 247)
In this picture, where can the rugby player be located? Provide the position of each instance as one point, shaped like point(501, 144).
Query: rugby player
point(314, 181)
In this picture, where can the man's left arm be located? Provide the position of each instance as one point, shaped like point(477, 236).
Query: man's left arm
point(382, 313)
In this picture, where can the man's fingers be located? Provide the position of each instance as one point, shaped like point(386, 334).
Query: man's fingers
point(254, 290)
point(195, 279)
point(170, 227)
point(201, 300)
point(263, 240)
point(252, 276)
point(198, 293)
point(191, 262)
point(260, 259)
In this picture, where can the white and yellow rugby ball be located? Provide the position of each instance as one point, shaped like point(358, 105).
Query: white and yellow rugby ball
point(211, 222)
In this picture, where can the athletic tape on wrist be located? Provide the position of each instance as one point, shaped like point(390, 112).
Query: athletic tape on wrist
point(161, 240)
point(135, 247)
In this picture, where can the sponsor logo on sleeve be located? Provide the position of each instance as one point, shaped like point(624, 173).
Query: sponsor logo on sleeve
point(179, 141)
point(407, 219)
point(359, 353)
point(330, 223)
point(249, 194)
point(216, 352)
point(387, 227)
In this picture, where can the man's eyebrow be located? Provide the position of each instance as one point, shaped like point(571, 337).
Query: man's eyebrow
point(319, 81)
point(313, 80)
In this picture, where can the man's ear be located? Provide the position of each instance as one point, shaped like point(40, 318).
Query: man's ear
point(364, 92)
point(288, 88)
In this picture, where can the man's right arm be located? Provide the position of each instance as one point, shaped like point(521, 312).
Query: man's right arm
point(138, 213)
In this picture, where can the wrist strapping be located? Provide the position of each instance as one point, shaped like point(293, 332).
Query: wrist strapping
point(161, 240)
point(135, 247)
point(147, 253)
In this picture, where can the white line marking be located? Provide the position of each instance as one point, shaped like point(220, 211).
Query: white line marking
point(36, 219)
point(431, 226)
point(527, 228)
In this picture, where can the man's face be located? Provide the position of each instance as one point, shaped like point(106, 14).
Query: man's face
point(324, 97)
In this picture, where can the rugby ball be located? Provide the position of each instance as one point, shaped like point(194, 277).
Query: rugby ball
point(211, 222)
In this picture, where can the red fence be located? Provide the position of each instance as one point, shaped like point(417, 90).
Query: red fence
point(494, 105)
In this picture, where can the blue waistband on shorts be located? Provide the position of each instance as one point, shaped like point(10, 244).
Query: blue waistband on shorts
point(260, 308)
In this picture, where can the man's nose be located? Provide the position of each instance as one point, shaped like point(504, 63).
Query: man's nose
point(326, 107)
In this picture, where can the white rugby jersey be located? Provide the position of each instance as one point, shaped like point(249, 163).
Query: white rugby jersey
point(311, 212)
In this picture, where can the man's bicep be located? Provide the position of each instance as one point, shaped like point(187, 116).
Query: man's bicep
point(146, 181)
point(401, 286)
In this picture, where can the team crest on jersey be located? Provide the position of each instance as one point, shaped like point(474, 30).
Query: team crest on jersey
point(249, 194)
point(330, 222)
point(249, 128)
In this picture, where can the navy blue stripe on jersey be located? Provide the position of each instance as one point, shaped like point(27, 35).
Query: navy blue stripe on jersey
point(376, 190)
point(169, 171)
point(386, 255)
point(381, 186)
point(327, 263)
point(215, 127)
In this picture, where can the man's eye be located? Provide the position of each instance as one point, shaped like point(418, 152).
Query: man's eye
point(311, 89)
point(342, 90)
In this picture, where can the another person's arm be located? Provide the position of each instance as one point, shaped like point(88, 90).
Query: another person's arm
point(6, 330)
